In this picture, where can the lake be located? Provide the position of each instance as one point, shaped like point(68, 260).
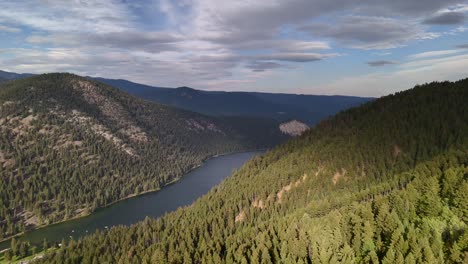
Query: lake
point(184, 192)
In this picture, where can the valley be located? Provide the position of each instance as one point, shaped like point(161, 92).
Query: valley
point(233, 132)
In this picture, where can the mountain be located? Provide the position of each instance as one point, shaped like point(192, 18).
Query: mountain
point(283, 107)
point(319, 106)
point(69, 145)
point(13, 76)
point(386, 182)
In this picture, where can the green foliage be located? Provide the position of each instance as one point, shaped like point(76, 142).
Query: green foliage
point(382, 183)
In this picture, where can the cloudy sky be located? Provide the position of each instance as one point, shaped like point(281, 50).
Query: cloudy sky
point(351, 47)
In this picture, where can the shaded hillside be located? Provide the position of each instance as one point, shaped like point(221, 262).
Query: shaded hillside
point(318, 106)
point(13, 76)
point(383, 183)
point(69, 145)
point(308, 108)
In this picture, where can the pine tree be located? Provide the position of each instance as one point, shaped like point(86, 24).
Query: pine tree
point(389, 257)
point(7, 255)
point(461, 201)
point(45, 244)
point(14, 247)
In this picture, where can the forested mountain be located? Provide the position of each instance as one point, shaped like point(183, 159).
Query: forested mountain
point(283, 107)
point(386, 182)
point(69, 145)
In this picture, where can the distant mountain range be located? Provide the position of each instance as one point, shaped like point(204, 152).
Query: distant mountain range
point(4, 75)
point(283, 107)
point(309, 109)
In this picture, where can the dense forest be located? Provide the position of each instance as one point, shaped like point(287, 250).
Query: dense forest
point(386, 182)
point(69, 145)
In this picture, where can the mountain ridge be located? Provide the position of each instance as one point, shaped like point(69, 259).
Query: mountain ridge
point(307, 108)
point(13, 76)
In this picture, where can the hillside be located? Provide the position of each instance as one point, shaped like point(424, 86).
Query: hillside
point(383, 183)
point(69, 145)
point(13, 76)
point(283, 107)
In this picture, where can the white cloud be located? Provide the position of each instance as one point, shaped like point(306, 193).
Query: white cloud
point(296, 57)
point(368, 32)
point(68, 16)
point(429, 61)
point(10, 29)
point(435, 53)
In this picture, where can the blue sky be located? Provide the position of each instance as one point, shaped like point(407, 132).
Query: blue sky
point(351, 47)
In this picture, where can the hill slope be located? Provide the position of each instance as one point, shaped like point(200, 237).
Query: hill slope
point(386, 182)
point(307, 108)
point(69, 145)
point(13, 76)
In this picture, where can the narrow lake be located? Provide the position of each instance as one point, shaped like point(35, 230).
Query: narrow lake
point(184, 192)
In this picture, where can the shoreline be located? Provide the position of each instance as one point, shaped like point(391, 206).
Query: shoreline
point(131, 195)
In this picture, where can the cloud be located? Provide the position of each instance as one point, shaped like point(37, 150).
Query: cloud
point(10, 29)
point(426, 63)
point(436, 53)
point(68, 16)
point(297, 45)
point(290, 45)
point(463, 46)
point(235, 21)
point(147, 41)
point(409, 8)
point(260, 66)
point(367, 32)
point(379, 63)
point(166, 68)
point(446, 18)
point(296, 57)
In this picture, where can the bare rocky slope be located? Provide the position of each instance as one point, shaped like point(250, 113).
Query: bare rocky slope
point(293, 128)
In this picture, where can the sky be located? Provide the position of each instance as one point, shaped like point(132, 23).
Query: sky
point(346, 47)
